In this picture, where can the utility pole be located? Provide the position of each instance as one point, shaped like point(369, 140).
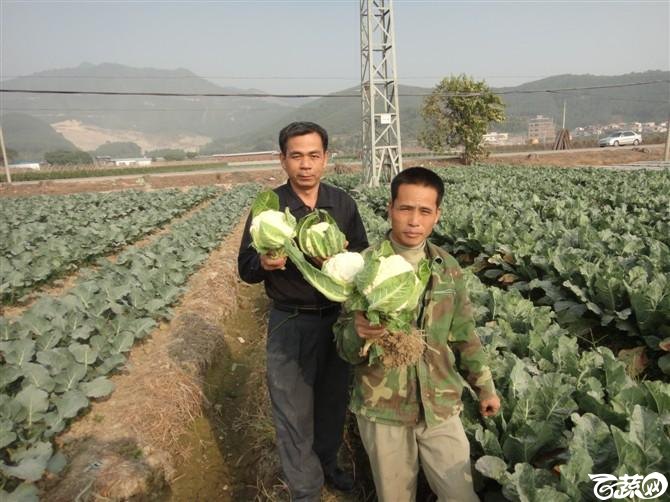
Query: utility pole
point(666, 155)
point(382, 158)
point(563, 127)
point(5, 160)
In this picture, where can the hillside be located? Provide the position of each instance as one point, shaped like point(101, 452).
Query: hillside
point(31, 137)
point(341, 116)
point(598, 106)
point(213, 117)
point(243, 124)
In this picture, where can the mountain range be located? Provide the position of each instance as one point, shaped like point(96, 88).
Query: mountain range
point(238, 123)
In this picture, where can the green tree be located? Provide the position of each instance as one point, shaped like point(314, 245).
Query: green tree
point(12, 155)
point(63, 157)
point(457, 113)
point(119, 149)
point(168, 154)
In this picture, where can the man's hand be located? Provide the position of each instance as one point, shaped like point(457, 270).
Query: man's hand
point(490, 406)
point(364, 329)
point(320, 261)
point(270, 264)
point(317, 261)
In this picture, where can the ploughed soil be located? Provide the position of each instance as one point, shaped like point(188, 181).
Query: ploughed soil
point(595, 157)
point(599, 157)
point(189, 419)
point(141, 182)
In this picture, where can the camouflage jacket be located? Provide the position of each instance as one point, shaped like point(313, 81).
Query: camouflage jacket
point(431, 389)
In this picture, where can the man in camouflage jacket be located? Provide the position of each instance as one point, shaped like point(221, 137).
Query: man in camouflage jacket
point(413, 411)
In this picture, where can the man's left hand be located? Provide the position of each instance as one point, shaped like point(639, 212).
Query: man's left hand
point(490, 406)
point(318, 261)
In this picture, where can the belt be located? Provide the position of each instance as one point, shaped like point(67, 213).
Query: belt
point(320, 310)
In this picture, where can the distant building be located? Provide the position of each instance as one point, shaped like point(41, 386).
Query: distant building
point(103, 159)
point(541, 129)
point(495, 138)
point(136, 162)
point(26, 165)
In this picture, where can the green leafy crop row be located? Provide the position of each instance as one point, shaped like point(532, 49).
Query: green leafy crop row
point(44, 236)
point(592, 244)
point(582, 247)
point(566, 412)
point(57, 355)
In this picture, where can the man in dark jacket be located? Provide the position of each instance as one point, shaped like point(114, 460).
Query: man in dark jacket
point(308, 382)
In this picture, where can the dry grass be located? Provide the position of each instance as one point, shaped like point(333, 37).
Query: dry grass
point(165, 424)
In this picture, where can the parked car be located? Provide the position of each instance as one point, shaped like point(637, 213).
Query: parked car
point(620, 138)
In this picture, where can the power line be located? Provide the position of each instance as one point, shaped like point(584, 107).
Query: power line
point(338, 95)
point(211, 109)
point(237, 77)
point(177, 77)
point(629, 100)
point(181, 94)
point(119, 110)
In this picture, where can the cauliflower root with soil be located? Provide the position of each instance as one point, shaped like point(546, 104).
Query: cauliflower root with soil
point(398, 349)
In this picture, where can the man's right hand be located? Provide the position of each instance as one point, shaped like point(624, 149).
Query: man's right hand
point(270, 264)
point(366, 330)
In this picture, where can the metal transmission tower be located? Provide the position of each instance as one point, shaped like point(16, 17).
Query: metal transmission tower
point(382, 158)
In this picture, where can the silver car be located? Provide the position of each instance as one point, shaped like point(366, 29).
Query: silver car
point(620, 138)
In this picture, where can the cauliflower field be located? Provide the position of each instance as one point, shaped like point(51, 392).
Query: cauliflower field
point(568, 269)
point(57, 354)
point(569, 272)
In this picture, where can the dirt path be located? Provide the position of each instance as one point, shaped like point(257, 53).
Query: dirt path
point(233, 456)
point(227, 441)
point(587, 157)
point(142, 182)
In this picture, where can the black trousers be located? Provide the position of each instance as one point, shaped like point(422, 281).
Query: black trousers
point(309, 391)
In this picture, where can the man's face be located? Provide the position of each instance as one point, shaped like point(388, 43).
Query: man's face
point(413, 214)
point(305, 160)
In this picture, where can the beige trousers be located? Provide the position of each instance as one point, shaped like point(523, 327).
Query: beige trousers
point(395, 451)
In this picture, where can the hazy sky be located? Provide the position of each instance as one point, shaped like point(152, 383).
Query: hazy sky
point(313, 46)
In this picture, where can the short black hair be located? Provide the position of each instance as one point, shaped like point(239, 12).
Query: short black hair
point(300, 129)
point(417, 175)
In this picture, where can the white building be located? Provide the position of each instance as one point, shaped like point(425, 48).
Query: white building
point(26, 165)
point(495, 138)
point(136, 162)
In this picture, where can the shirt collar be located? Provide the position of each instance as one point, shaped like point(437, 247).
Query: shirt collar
point(397, 245)
point(431, 249)
point(323, 199)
